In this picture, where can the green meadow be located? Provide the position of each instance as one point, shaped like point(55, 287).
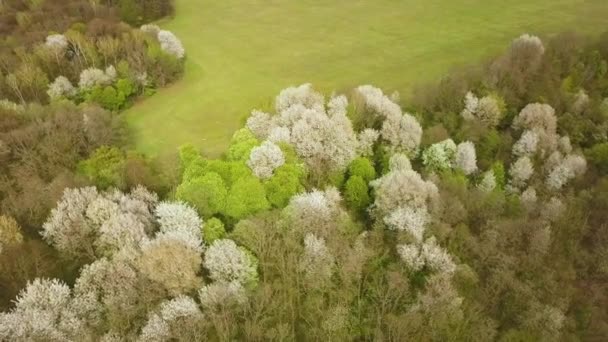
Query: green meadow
point(241, 53)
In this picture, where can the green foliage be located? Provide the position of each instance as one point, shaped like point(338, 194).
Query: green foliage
point(130, 11)
point(110, 97)
point(487, 148)
point(285, 183)
point(187, 154)
point(363, 168)
point(213, 230)
point(241, 144)
point(246, 196)
point(499, 174)
point(207, 194)
point(105, 167)
point(356, 193)
point(598, 155)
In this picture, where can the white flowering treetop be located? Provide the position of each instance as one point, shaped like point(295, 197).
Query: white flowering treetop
point(440, 156)
point(228, 262)
point(466, 158)
point(171, 44)
point(264, 159)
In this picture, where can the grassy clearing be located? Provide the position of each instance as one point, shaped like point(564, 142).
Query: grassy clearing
point(242, 52)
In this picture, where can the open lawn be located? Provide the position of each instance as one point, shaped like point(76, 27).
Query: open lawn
point(241, 53)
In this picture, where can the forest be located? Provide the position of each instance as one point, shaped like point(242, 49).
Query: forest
point(474, 210)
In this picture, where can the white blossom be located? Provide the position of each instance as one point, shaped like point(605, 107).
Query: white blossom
point(61, 87)
point(376, 102)
point(440, 156)
point(436, 258)
point(399, 161)
point(220, 294)
point(410, 255)
point(402, 132)
point(303, 95)
point(402, 188)
point(279, 134)
point(264, 159)
point(178, 216)
point(471, 102)
point(366, 140)
point(57, 42)
point(570, 167)
point(92, 77)
point(178, 319)
point(488, 182)
point(120, 231)
point(260, 124)
point(316, 209)
point(337, 105)
point(317, 262)
point(428, 254)
point(408, 219)
point(227, 262)
point(325, 143)
point(521, 170)
point(540, 119)
point(526, 145)
point(485, 110)
point(170, 44)
point(42, 312)
point(150, 29)
point(466, 159)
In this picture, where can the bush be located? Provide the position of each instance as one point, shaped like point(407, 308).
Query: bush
point(356, 193)
point(213, 230)
point(207, 194)
point(363, 168)
point(105, 167)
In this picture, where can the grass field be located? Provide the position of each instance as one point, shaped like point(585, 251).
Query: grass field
point(242, 52)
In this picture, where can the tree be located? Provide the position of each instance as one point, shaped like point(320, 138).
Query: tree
point(285, 183)
point(264, 159)
point(243, 141)
point(363, 168)
point(440, 156)
point(213, 230)
point(356, 193)
point(466, 159)
point(171, 44)
point(178, 319)
point(172, 260)
point(207, 193)
point(10, 232)
point(42, 312)
point(246, 197)
point(105, 167)
point(227, 262)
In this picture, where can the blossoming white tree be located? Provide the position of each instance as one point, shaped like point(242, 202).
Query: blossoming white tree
point(228, 262)
point(264, 159)
point(466, 159)
point(171, 44)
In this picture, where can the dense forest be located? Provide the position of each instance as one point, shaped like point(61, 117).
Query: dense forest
point(476, 210)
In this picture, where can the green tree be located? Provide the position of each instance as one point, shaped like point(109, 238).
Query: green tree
point(363, 168)
point(356, 193)
point(213, 230)
point(247, 196)
point(284, 184)
point(241, 144)
point(207, 193)
point(105, 167)
point(598, 155)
